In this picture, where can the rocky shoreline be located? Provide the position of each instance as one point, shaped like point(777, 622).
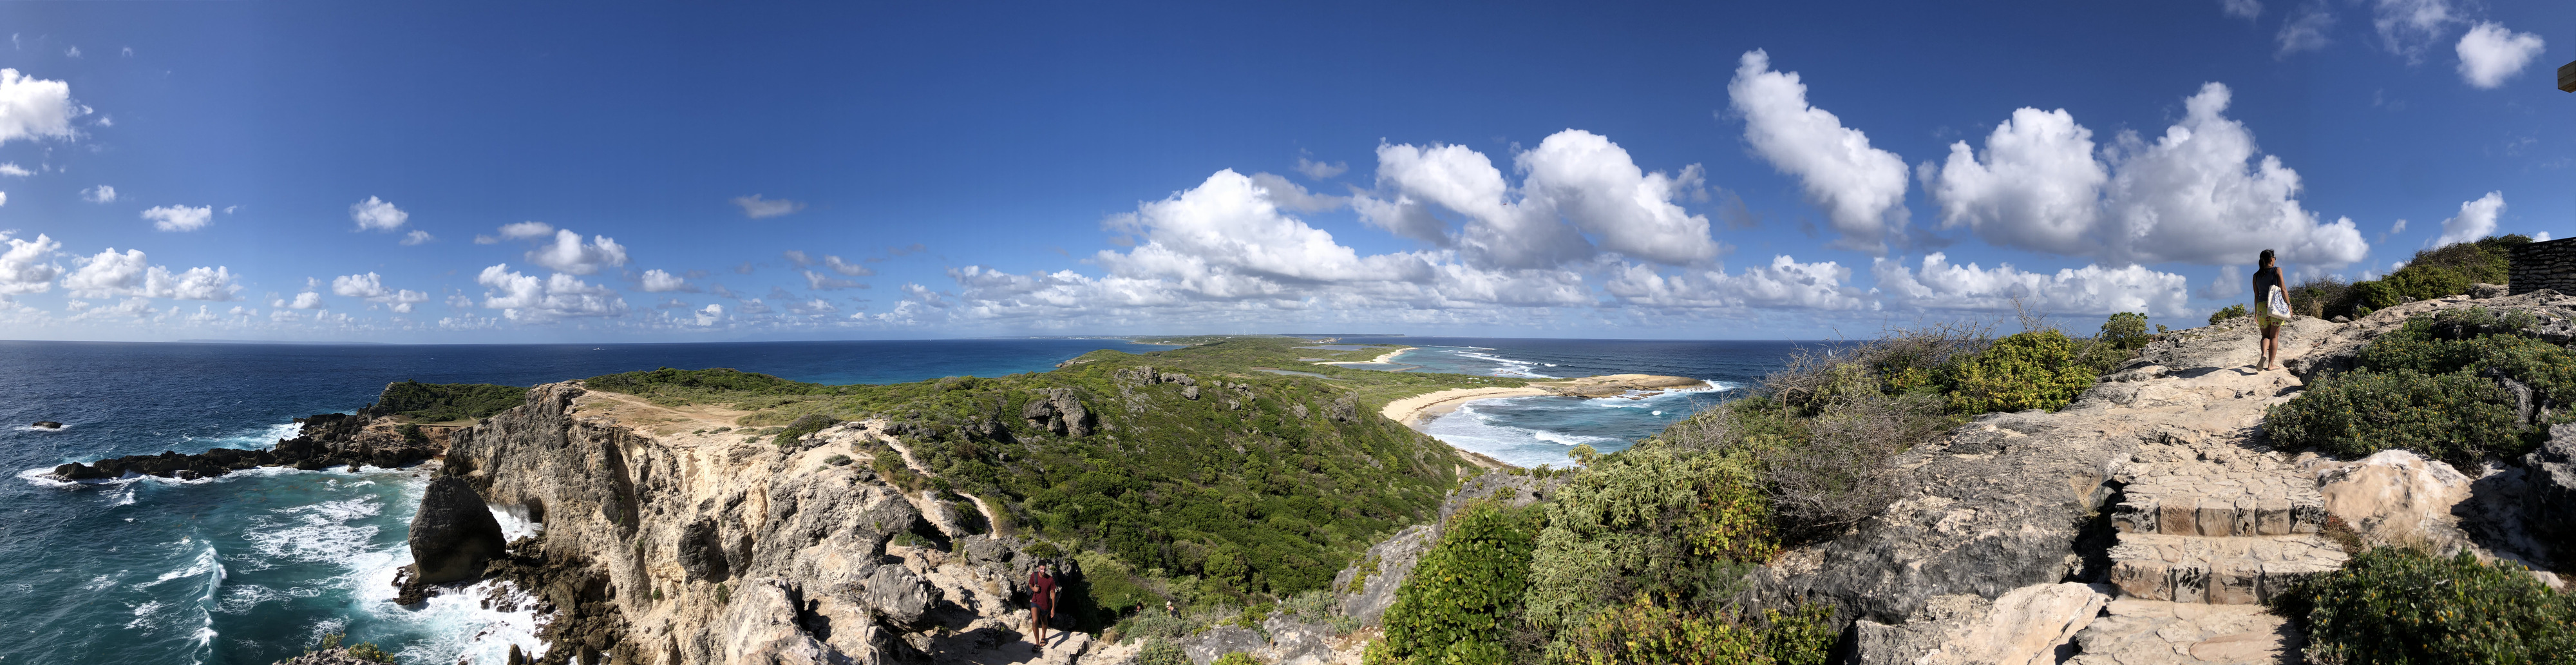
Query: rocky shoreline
point(327, 440)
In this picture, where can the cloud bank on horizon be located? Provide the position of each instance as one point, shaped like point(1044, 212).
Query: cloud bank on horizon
point(1821, 207)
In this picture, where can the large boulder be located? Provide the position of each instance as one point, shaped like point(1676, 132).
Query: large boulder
point(2397, 497)
point(454, 534)
point(2552, 478)
point(2025, 626)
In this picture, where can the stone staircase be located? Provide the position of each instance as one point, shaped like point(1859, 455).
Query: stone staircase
point(2217, 523)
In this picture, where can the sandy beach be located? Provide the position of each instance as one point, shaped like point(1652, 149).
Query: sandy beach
point(1420, 409)
point(1387, 359)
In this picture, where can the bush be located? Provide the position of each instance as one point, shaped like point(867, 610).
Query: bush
point(2440, 272)
point(1235, 658)
point(439, 402)
point(1464, 594)
point(2454, 417)
point(2425, 387)
point(2315, 297)
point(2028, 370)
point(1658, 521)
point(2400, 605)
point(807, 424)
point(1159, 652)
point(2229, 312)
point(2119, 340)
point(1646, 632)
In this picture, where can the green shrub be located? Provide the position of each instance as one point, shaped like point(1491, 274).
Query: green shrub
point(1656, 521)
point(439, 402)
point(2121, 337)
point(2424, 387)
point(1465, 594)
point(1647, 632)
point(2400, 605)
point(2229, 312)
point(2453, 417)
point(2028, 370)
point(2324, 297)
point(2440, 272)
point(1235, 658)
point(803, 425)
point(1159, 652)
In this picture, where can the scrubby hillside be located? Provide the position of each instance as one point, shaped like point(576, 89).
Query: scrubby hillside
point(1190, 476)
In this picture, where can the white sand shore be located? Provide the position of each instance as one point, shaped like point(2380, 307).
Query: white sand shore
point(1387, 359)
point(1418, 410)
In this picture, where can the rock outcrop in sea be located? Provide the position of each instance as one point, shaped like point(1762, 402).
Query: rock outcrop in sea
point(327, 440)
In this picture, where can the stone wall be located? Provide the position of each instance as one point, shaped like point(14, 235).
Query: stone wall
point(2545, 265)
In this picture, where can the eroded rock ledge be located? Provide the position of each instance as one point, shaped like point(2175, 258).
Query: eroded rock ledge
point(677, 547)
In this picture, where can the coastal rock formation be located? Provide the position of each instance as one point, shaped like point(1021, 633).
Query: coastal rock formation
point(326, 440)
point(707, 548)
point(1060, 412)
point(453, 534)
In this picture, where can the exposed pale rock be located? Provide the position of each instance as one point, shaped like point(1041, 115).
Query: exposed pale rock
point(2397, 496)
point(2025, 626)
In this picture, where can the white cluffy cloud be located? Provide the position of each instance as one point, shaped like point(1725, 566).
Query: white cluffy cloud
point(569, 254)
point(1860, 188)
point(372, 289)
point(2090, 290)
point(112, 275)
point(180, 218)
point(525, 230)
point(757, 208)
point(2489, 54)
point(2199, 194)
point(1580, 194)
point(375, 214)
point(416, 237)
point(99, 194)
point(2477, 219)
point(530, 298)
point(2305, 28)
point(32, 108)
point(662, 281)
point(28, 266)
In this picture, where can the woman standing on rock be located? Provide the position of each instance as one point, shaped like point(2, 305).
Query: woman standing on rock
point(2268, 287)
point(1042, 592)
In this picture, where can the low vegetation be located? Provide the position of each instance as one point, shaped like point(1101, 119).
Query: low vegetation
point(2403, 605)
point(443, 402)
point(2440, 272)
point(1187, 476)
point(2432, 386)
point(1639, 556)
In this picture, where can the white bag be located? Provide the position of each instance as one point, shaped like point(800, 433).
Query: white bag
point(2280, 305)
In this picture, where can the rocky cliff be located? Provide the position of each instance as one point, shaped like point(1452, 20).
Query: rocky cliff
point(371, 437)
point(717, 548)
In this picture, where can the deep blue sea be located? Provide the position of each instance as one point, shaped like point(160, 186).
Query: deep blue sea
point(254, 567)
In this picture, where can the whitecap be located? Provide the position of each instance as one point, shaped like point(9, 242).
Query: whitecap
point(514, 522)
point(100, 583)
point(321, 532)
point(143, 614)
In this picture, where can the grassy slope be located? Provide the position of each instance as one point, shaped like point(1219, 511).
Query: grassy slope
point(1266, 497)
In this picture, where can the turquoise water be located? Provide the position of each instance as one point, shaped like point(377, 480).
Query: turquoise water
point(1530, 431)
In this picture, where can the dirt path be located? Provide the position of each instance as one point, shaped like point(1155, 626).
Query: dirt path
point(876, 429)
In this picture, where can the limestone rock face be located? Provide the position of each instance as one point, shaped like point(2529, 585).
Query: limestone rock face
point(2397, 496)
point(707, 549)
point(1222, 640)
point(2025, 626)
point(2552, 480)
point(1057, 410)
point(454, 534)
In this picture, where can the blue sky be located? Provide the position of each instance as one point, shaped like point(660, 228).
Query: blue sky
point(663, 172)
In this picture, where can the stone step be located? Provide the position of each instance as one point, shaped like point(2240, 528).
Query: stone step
point(2188, 513)
point(2233, 570)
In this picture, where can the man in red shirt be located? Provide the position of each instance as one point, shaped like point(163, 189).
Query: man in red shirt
point(1042, 591)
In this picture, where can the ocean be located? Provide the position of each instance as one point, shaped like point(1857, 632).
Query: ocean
point(254, 567)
